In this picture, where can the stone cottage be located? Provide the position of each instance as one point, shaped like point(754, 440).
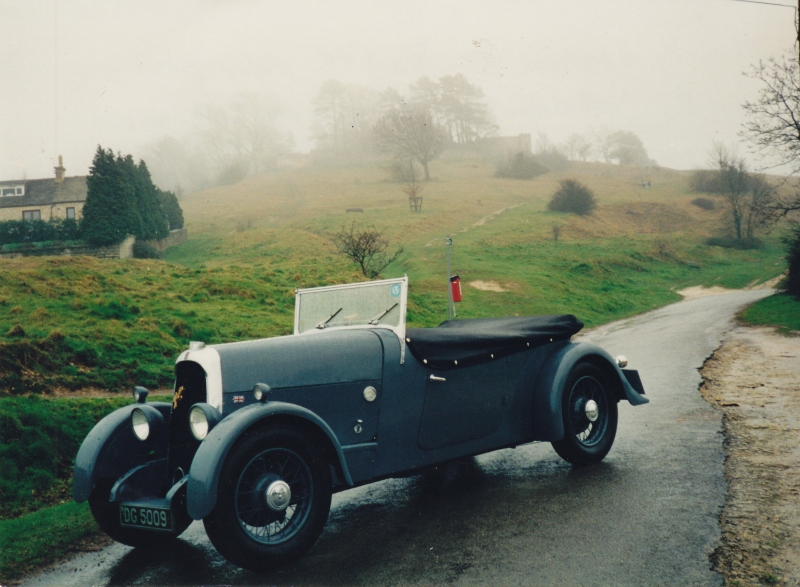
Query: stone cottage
point(43, 199)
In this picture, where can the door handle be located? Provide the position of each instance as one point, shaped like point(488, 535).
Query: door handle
point(435, 378)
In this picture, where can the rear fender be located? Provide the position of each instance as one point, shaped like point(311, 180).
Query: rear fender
point(111, 449)
point(207, 465)
point(548, 424)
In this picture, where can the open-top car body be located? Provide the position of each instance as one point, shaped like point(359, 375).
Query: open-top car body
point(260, 433)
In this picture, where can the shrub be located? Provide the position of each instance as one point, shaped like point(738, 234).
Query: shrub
point(792, 281)
point(573, 197)
point(145, 251)
point(15, 232)
point(703, 203)
point(520, 166)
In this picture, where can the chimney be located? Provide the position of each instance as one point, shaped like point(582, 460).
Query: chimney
point(60, 170)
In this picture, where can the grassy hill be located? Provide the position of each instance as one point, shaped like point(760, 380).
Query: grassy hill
point(68, 324)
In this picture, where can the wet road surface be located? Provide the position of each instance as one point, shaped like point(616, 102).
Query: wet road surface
point(647, 515)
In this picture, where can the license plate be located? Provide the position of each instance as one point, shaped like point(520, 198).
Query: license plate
point(137, 516)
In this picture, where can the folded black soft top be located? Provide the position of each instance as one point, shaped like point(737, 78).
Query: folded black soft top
point(458, 343)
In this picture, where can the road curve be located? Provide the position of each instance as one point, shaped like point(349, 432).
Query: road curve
point(647, 515)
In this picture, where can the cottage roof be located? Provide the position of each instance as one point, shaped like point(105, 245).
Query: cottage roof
point(44, 192)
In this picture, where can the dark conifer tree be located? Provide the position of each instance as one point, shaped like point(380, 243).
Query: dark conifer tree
point(171, 209)
point(154, 222)
point(106, 212)
point(122, 200)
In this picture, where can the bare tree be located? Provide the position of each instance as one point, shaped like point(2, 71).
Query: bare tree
point(367, 247)
point(412, 184)
point(411, 133)
point(748, 197)
point(243, 135)
point(344, 115)
point(455, 105)
point(773, 126)
point(577, 147)
point(762, 201)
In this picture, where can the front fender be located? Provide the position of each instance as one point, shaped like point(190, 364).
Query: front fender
point(207, 465)
point(111, 449)
point(548, 424)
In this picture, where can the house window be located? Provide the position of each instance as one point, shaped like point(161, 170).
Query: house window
point(17, 190)
point(71, 213)
point(31, 215)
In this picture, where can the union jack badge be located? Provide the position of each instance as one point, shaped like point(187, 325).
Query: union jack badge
point(238, 399)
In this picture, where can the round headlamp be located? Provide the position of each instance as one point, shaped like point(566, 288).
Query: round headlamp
point(145, 421)
point(202, 418)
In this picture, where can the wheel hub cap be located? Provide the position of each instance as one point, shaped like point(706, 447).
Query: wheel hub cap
point(278, 495)
point(592, 411)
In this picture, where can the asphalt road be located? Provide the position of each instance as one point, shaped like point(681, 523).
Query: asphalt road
point(647, 515)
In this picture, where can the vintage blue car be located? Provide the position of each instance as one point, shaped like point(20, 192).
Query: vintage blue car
point(259, 434)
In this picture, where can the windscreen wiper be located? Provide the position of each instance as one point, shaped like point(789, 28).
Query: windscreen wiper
point(324, 323)
point(377, 318)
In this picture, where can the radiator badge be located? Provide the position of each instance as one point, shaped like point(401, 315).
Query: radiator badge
point(178, 396)
point(238, 399)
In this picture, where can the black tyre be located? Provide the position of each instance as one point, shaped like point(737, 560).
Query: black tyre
point(273, 500)
point(589, 412)
point(106, 514)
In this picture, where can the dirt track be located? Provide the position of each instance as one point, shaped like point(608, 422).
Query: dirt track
point(754, 378)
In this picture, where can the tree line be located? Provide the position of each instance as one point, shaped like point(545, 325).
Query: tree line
point(350, 120)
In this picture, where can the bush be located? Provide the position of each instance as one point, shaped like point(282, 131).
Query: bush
point(792, 281)
point(520, 166)
point(573, 197)
point(731, 242)
point(37, 231)
point(145, 251)
point(703, 203)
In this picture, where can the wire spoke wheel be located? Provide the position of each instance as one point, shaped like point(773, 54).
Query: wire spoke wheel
point(273, 500)
point(586, 390)
point(263, 523)
point(589, 413)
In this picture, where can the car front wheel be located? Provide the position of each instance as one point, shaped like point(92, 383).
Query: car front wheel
point(273, 500)
point(589, 413)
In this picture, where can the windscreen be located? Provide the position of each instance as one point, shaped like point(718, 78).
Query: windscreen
point(377, 303)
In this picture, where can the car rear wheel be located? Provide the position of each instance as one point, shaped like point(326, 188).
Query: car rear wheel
point(273, 500)
point(589, 414)
point(106, 514)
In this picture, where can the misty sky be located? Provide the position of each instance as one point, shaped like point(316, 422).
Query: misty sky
point(80, 73)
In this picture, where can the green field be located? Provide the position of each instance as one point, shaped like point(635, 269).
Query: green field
point(73, 325)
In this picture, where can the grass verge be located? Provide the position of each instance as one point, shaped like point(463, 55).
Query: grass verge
point(39, 538)
point(780, 310)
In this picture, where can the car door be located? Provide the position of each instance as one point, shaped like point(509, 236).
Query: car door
point(464, 404)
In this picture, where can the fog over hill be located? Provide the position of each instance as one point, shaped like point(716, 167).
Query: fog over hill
point(127, 75)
